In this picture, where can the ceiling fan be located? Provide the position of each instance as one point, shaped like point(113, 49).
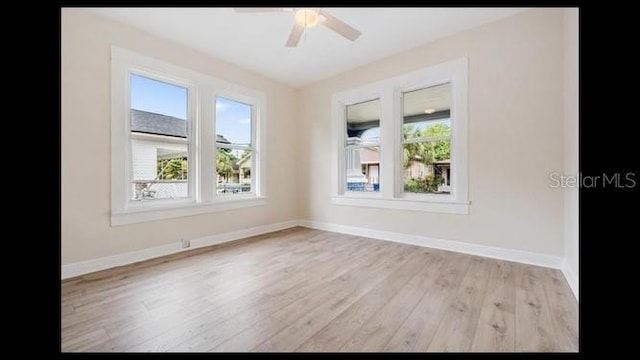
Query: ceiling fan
point(306, 18)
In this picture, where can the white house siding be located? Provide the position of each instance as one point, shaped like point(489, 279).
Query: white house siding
point(145, 158)
point(418, 170)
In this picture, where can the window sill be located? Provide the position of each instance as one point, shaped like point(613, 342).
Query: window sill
point(133, 216)
point(445, 206)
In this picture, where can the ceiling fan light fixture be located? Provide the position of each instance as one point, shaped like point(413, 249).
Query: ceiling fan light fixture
point(306, 17)
point(309, 17)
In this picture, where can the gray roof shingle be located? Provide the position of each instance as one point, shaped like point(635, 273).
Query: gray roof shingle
point(158, 124)
point(152, 123)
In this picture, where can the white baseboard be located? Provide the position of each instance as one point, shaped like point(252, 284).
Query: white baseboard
point(572, 278)
point(462, 247)
point(84, 267)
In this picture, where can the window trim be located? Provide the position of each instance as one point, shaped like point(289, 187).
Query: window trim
point(202, 90)
point(389, 91)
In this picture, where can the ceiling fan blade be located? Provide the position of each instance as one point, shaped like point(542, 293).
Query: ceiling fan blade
point(339, 26)
point(295, 35)
point(265, 9)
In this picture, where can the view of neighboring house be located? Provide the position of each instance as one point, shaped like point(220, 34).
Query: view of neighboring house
point(363, 170)
point(417, 169)
point(158, 144)
point(370, 165)
point(244, 170)
point(238, 179)
point(157, 137)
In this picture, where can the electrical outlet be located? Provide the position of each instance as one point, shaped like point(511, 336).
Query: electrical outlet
point(186, 243)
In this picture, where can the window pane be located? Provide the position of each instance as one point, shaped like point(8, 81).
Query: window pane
point(233, 122)
point(363, 123)
point(363, 169)
point(427, 167)
point(233, 169)
point(426, 112)
point(159, 139)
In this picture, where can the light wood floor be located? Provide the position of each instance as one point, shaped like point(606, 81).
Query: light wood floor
point(308, 290)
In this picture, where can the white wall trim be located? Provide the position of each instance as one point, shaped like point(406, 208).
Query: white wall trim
point(520, 256)
point(572, 278)
point(84, 267)
point(446, 207)
point(153, 211)
point(550, 261)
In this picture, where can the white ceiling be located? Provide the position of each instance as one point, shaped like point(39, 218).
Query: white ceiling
point(255, 41)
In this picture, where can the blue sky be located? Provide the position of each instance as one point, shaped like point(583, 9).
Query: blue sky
point(233, 119)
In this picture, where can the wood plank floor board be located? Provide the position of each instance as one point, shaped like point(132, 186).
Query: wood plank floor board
point(309, 290)
point(496, 327)
point(334, 334)
point(148, 279)
point(285, 307)
point(224, 310)
point(125, 308)
point(534, 328)
point(564, 309)
point(147, 272)
point(417, 331)
point(460, 320)
point(374, 334)
point(138, 317)
point(259, 303)
point(305, 324)
point(252, 336)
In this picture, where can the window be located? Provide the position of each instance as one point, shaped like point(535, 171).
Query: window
point(183, 143)
point(426, 140)
point(362, 146)
point(412, 135)
point(234, 159)
point(159, 139)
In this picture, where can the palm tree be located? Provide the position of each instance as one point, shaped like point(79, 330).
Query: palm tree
point(225, 161)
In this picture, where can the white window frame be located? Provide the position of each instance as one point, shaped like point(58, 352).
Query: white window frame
point(255, 108)
point(202, 91)
point(389, 91)
point(191, 144)
point(342, 107)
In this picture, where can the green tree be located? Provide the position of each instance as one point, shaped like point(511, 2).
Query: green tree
point(225, 161)
point(427, 153)
point(172, 169)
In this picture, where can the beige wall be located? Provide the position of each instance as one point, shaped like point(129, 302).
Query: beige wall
point(515, 137)
point(85, 127)
point(571, 201)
